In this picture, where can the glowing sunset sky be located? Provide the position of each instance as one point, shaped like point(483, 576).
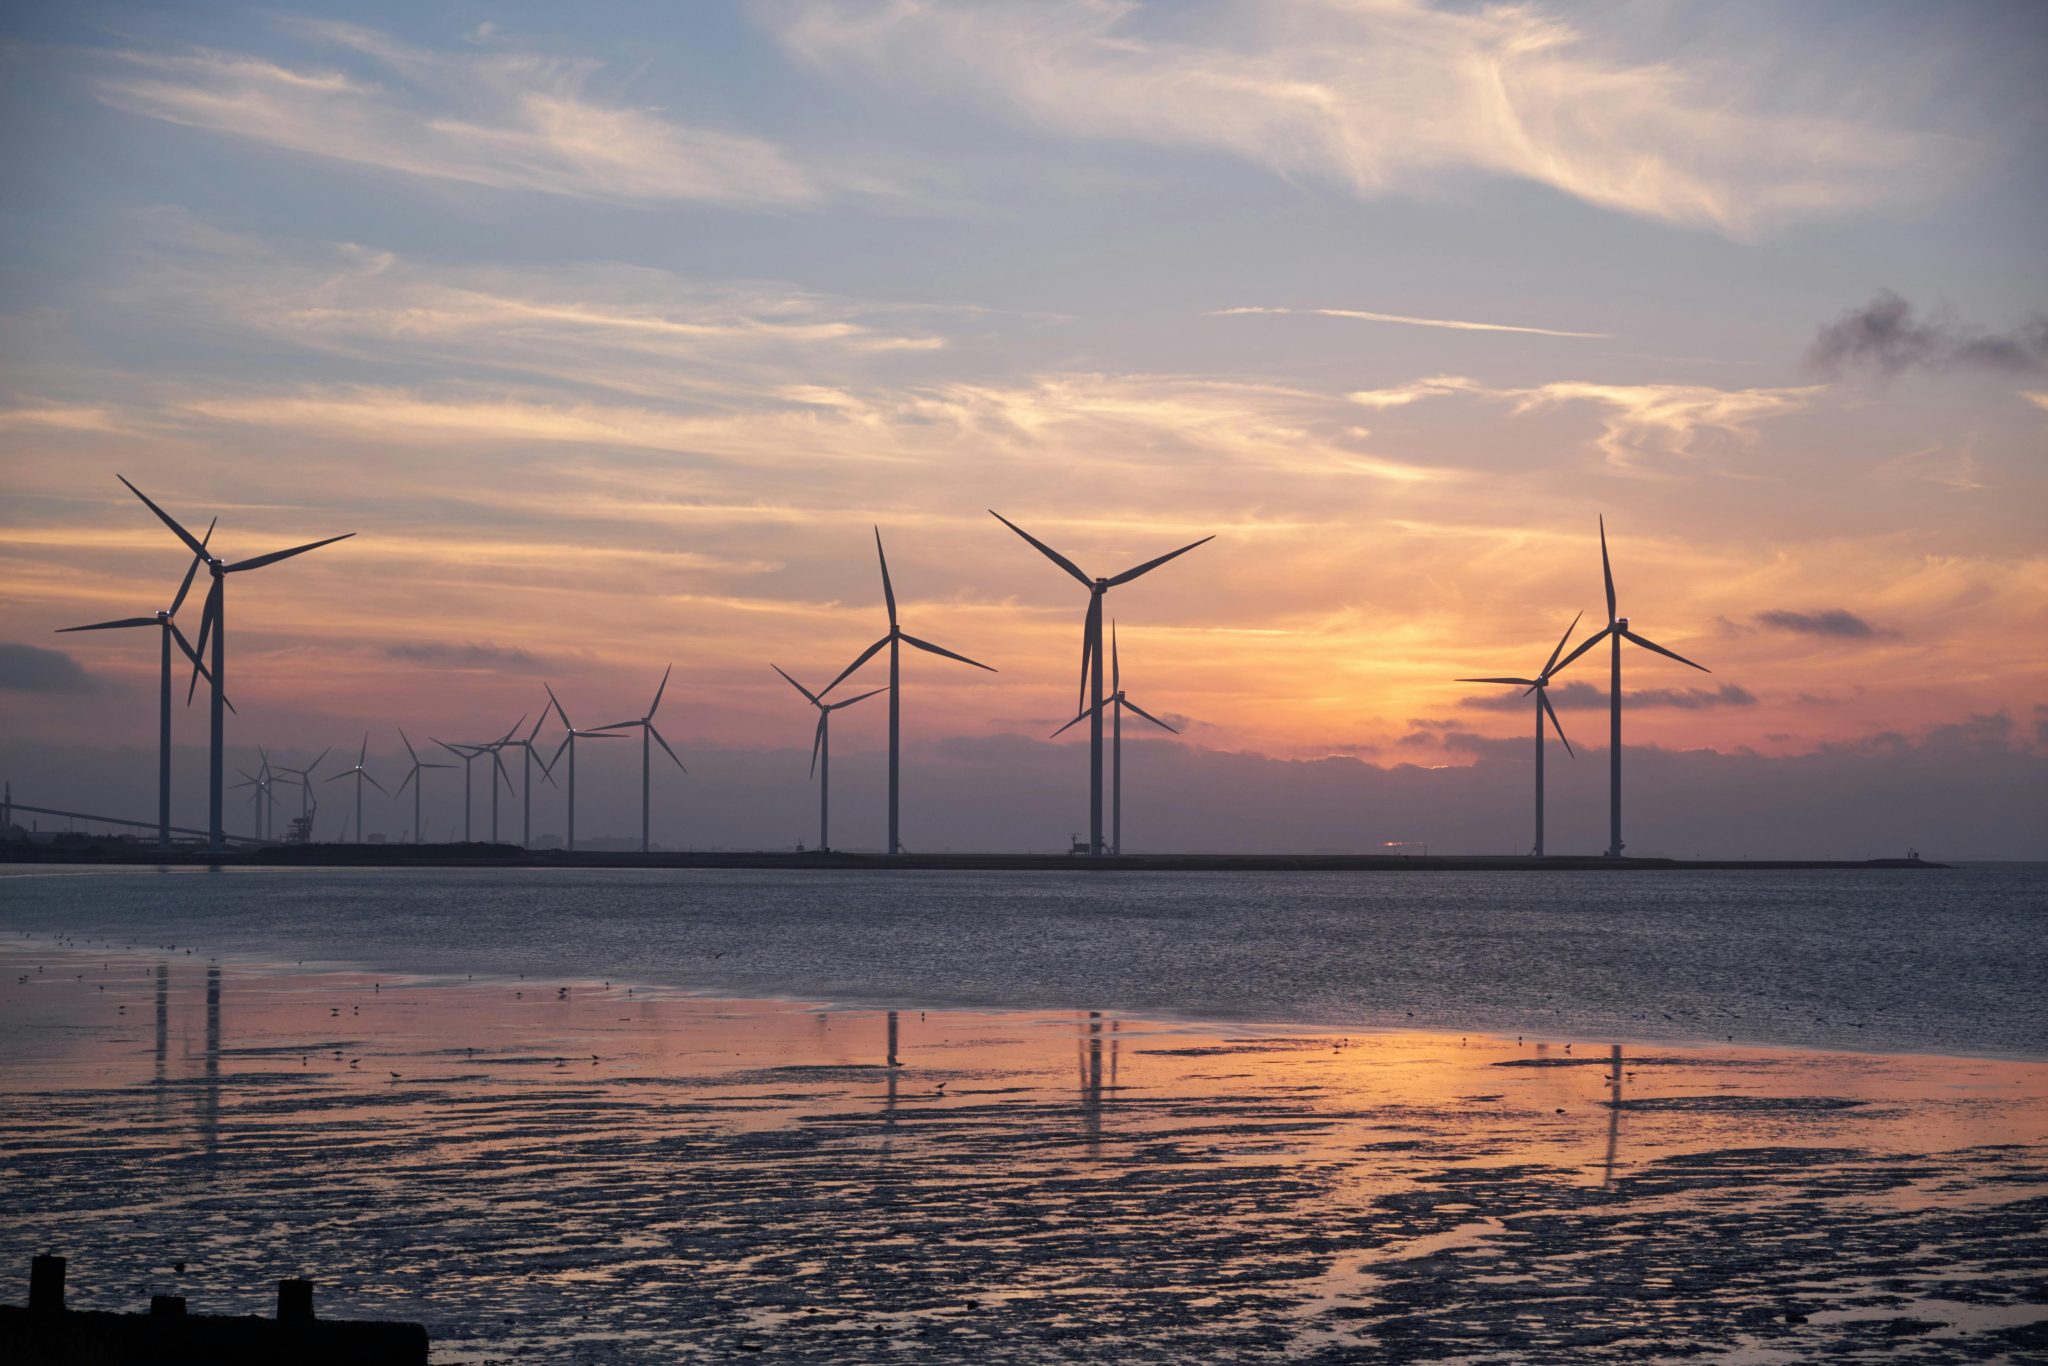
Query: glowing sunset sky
point(613, 328)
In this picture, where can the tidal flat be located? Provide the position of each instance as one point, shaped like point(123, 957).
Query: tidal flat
point(548, 1169)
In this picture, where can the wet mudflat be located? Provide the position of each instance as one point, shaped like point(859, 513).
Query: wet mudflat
point(581, 1170)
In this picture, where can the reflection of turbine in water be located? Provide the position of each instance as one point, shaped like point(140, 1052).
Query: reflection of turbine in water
point(163, 1030)
point(209, 1095)
point(1089, 1060)
point(1613, 1111)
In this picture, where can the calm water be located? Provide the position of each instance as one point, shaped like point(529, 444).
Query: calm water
point(1950, 962)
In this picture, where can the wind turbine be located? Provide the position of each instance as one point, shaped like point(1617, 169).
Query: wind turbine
point(1117, 702)
point(466, 753)
point(361, 775)
point(527, 761)
point(168, 631)
point(214, 619)
point(647, 732)
point(821, 751)
point(261, 799)
point(1540, 685)
point(896, 638)
point(569, 743)
point(305, 776)
point(411, 777)
point(1616, 630)
point(1091, 657)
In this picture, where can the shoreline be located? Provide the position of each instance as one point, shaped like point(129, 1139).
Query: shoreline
point(478, 854)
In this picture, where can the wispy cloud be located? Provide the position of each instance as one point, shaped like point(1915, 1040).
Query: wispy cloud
point(470, 655)
point(1380, 97)
point(1637, 419)
point(1451, 323)
point(1580, 696)
point(1886, 337)
point(512, 121)
point(1839, 622)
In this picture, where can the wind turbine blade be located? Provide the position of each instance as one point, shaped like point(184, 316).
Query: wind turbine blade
point(888, 590)
point(812, 697)
point(374, 783)
point(274, 556)
point(186, 646)
point(657, 693)
point(664, 744)
point(1086, 712)
point(450, 748)
point(308, 769)
point(1606, 570)
point(206, 620)
point(1653, 645)
point(559, 748)
point(864, 657)
point(538, 722)
point(1116, 668)
point(1151, 565)
point(196, 547)
point(930, 648)
point(1149, 716)
point(1088, 625)
point(872, 692)
point(1560, 645)
point(408, 747)
point(603, 734)
point(616, 725)
point(350, 773)
point(556, 702)
point(364, 753)
point(1555, 724)
point(498, 763)
point(1046, 550)
point(1588, 643)
point(108, 625)
point(1517, 682)
point(408, 780)
point(817, 743)
point(512, 730)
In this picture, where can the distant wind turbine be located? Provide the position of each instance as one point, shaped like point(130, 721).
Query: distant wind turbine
point(1616, 630)
point(1117, 702)
point(305, 777)
point(168, 631)
point(214, 619)
point(527, 760)
point(821, 751)
point(647, 732)
point(1091, 658)
point(468, 754)
point(569, 743)
point(413, 780)
point(896, 638)
point(361, 775)
point(1540, 685)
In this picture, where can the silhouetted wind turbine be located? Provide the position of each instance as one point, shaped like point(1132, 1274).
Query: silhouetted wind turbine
point(412, 777)
point(1091, 654)
point(214, 619)
point(305, 776)
point(896, 638)
point(361, 775)
point(569, 744)
point(821, 751)
point(527, 760)
point(1616, 630)
point(1540, 685)
point(168, 631)
point(1117, 702)
point(468, 754)
point(647, 732)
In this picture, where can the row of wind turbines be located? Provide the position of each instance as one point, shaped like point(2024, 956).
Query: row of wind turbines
point(1101, 709)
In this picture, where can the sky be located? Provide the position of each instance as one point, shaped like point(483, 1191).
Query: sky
point(614, 333)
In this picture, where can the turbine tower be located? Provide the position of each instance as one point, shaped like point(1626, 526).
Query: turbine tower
point(1615, 631)
point(821, 751)
point(1117, 702)
point(896, 638)
point(361, 775)
point(413, 777)
point(569, 744)
point(1091, 658)
point(466, 753)
point(647, 732)
point(1540, 685)
point(214, 619)
point(168, 630)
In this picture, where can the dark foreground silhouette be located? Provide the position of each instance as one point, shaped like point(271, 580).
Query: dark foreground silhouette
point(47, 1332)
